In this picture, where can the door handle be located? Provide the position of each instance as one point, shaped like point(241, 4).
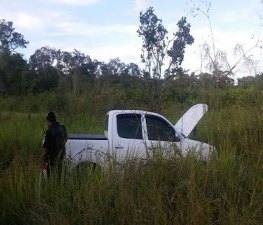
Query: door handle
point(118, 147)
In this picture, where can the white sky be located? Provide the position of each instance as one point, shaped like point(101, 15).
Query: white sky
point(106, 29)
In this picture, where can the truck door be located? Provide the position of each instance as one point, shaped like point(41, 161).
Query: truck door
point(128, 138)
point(160, 134)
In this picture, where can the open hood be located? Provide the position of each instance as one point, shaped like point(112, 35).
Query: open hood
point(189, 120)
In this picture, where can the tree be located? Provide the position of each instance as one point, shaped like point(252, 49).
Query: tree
point(206, 80)
point(256, 81)
point(133, 70)
point(217, 61)
point(9, 39)
point(12, 65)
point(154, 36)
point(45, 80)
point(116, 67)
point(181, 38)
point(155, 50)
point(44, 57)
point(51, 63)
point(68, 62)
point(43, 64)
point(259, 80)
point(156, 43)
point(13, 74)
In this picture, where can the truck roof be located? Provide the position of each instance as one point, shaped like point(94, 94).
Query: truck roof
point(131, 111)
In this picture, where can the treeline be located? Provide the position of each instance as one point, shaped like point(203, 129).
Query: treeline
point(50, 69)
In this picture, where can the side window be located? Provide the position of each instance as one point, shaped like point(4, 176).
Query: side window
point(129, 126)
point(159, 130)
point(106, 123)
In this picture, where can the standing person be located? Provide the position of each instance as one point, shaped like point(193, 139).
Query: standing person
point(53, 149)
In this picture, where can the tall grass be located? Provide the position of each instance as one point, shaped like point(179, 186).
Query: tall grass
point(162, 190)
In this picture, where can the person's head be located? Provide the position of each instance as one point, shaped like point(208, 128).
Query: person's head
point(51, 119)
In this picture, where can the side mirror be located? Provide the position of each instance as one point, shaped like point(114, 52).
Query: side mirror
point(177, 137)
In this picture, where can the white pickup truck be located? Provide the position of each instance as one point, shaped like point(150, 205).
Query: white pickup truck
point(137, 133)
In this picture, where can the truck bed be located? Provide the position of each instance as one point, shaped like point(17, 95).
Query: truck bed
point(87, 137)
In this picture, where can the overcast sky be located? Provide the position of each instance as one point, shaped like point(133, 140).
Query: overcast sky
point(106, 29)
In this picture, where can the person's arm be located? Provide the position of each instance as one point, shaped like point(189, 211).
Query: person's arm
point(46, 146)
point(43, 153)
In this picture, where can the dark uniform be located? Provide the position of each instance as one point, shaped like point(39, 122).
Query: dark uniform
point(55, 145)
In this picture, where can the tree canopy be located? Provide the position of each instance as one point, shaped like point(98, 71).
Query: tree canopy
point(9, 39)
point(156, 44)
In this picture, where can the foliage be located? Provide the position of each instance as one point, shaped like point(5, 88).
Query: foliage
point(155, 50)
point(14, 73)
point(156, 43)
point(160, 190)
point(50, 69)
point(182, 38)
point(9, 39)
point(153, 34)
point(251, 81)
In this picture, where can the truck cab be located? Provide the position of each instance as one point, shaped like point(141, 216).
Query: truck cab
point(136, 133)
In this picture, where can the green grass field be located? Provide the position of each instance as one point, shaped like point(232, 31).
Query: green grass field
point(173, 190)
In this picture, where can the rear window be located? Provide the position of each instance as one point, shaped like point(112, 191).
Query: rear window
point(129, 126)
